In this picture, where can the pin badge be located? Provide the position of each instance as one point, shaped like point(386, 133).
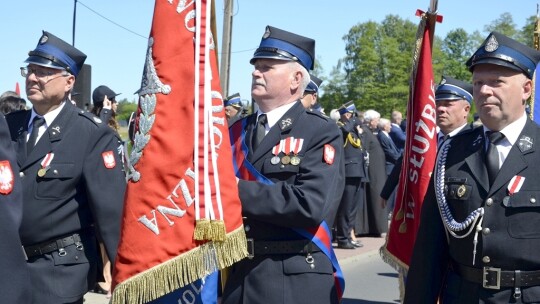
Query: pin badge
point(461, 191)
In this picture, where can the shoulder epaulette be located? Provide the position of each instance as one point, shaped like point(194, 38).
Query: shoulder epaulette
point(93, 118)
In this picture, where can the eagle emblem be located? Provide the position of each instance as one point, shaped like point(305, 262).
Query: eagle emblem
point(108, 159)
point(6, 177)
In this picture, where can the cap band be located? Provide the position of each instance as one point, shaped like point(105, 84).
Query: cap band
point(299, 54)
point(48, 51)
point(349, 109)
point(312, 87)
point(232, 101)
point(448, 89)
point(507, 54)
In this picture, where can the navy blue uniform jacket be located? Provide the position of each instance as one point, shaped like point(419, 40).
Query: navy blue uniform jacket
point(301, 196)
point(81, 192)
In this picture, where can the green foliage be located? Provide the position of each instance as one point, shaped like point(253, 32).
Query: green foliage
point(376, 69)
point(125, 108)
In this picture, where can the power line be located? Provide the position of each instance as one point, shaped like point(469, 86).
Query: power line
point(123, 27)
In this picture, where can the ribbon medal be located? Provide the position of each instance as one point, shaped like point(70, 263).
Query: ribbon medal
point(275, 152)
point(296, 148)
point(287, 148)
point(45, 164)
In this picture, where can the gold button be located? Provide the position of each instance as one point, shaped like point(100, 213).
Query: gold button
point(486, 231)
point(486, 259)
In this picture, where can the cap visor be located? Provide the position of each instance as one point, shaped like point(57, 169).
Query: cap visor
point(268, 55)
point(43, 62)
point(496, 61)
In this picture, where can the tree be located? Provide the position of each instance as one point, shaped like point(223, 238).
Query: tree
point(457, 47)
point(125, 108)
point(527, 32)
point(504, 25)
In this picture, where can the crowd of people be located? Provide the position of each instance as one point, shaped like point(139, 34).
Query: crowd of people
point(307, 176)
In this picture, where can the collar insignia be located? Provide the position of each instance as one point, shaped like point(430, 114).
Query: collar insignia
point(525, 143)
point(285, 123)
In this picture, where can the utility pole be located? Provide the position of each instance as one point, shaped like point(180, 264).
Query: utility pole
point(74, 21)
point(226, 47)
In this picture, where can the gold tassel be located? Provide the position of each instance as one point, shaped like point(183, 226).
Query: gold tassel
point(403, 227)
point(399, 215)
point(217, 230)
point(202, 229)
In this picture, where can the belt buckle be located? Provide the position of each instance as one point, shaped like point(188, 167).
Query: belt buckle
point(250, 248)
point(485, 272)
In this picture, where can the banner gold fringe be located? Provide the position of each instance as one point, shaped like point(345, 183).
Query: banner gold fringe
point(202, 228)
point(182, 270)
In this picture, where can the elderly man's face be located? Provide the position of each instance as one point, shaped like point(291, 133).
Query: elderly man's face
point(46, 87)
point(273, 82)
point(499, 94)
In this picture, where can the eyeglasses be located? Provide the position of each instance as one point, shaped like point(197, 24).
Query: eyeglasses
point(40, 73)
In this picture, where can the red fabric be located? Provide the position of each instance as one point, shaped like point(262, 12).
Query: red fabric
point(418, 160)
point(169, 154)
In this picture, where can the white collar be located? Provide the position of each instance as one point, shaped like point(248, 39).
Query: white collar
point(513, 130)
point(274, 115)
point(49, 117)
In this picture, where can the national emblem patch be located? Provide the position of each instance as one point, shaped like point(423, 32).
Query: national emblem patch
point(108, 159)
point(6, 177)
point(329, 153)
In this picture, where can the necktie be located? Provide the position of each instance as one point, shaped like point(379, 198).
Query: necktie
point(36, 124)
point(260, 131)
point(492, 156)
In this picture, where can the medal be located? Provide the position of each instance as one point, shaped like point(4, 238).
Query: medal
point(41, 172)
point(285, 160)
point(45, 164)
point(275, 152)
point(286, 149)
point(295, 160)
point(297, 144)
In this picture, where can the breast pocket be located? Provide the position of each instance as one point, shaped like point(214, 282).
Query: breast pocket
point(523, 210)
point(57, 182)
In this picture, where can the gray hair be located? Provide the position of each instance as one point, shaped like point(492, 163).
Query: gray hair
point(370, 115)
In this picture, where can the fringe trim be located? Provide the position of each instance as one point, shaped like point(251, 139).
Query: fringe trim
point(398, 265)
point(213, 230)
point(182, 270)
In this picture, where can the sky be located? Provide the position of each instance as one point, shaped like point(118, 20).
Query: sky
point(114, 33)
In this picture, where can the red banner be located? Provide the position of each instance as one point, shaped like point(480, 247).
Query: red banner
point(182, 215)
point(418, 159)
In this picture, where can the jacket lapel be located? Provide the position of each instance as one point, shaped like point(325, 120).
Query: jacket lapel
point(53, 134)
point(516, 161)
point(475, 161)
point(277, 132)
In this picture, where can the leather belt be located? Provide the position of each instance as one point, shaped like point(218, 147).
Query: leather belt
point(280, 247)
point(54, 245)
point(495, 278)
